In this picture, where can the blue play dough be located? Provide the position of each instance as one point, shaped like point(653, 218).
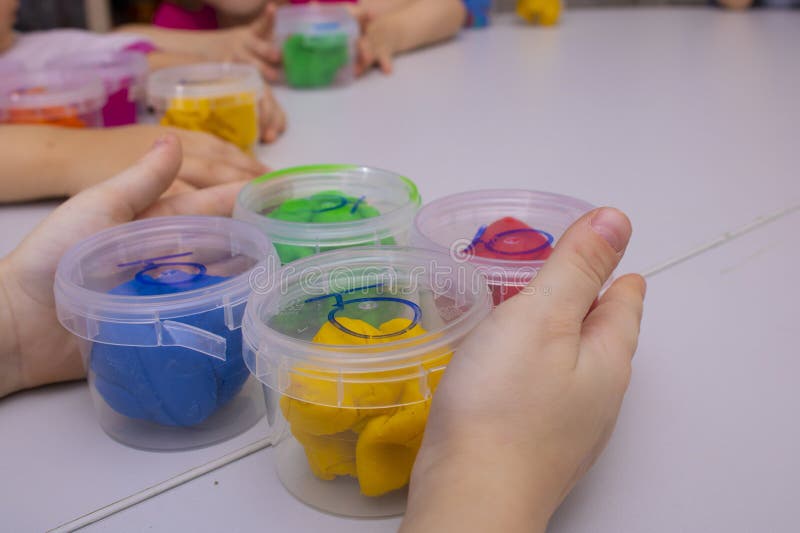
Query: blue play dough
point(172, 386)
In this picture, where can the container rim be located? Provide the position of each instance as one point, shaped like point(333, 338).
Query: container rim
point(68, 89)
point(364, 358)
point(80, 301)
point(333, 233)
point(504, 271)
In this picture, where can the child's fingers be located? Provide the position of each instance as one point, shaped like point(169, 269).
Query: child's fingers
point(199, 144)
point(385, 62)
point(263, 25)
point(365, 57)
point(136, 188)
point(582, 261)
point(178, 187)
point(610, 333)
point(213, 201)
point(204, 172)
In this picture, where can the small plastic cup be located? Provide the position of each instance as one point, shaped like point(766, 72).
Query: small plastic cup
point(123, 74)
point(350, 347)
point(218, 98)
point(318, 43)
point(157, 308)
point(311, 209)
point(53, 97)
point(506, 233)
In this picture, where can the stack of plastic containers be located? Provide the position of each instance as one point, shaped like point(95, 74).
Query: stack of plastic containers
point(318, 42)
point(123, 74)
point(508, 234)
point(307, 210)
point(350, 348)
point(54, 97)
point(157, 307)
point(218, 98)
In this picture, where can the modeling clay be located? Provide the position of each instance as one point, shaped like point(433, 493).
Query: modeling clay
point(56, 115)
point(314, 60)
point(168, 385)
point(320, 208)
point(513, 240)
point(367, 440)
point(544, 12)
point(233, 118)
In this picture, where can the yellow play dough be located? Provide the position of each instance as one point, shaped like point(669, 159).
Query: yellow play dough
point(233, 118)
point(365, 439)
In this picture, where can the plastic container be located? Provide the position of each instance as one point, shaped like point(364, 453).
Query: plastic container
point(157, 307)
point(55, 97)
point(318, 42)
point(350, 348)
point(311, 209)
point(218, 98)
point(123, 74)
point(9, 66)
point(474, 226)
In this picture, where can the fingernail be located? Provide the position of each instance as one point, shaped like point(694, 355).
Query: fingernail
point(612, 225)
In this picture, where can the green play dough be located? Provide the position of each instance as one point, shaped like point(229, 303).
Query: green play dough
point(321, 208)
point(314, 60)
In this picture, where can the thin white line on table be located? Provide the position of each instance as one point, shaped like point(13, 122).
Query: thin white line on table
point(155, 490)
point(718, 241)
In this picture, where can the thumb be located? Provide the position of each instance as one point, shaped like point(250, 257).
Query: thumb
point(136, 188)
point(582, 261)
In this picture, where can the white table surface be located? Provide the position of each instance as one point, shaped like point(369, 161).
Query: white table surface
point(688, 119)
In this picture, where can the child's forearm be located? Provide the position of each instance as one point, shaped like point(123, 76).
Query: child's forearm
point(426, 22)
point(35, 162)
point(176, 42)
point(381, 7)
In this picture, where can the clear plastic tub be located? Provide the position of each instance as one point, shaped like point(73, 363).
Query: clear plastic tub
point(218, 98)
point(350, 347)
point(506, 233)
point(55, 97)
point(123, 74)
point(311, 209)
point(318, 43)
point(157, 307)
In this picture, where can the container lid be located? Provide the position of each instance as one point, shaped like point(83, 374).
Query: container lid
point(203, 80)
point(315, 19)
point(51, 88)
point(388, 315)
point(117, 68)
point(504, 232)
point(145, 274)
point(387, 201)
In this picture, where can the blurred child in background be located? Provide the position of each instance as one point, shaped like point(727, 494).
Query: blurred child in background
point(41, 161)
point(389, 27)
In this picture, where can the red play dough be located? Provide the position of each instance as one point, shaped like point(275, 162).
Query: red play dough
point(512, 240)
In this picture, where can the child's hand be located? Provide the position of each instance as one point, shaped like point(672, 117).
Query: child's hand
point(378, 42)
point(207, 160)
point(531, 397)
point(272, 117)
point(253, 44)
point(34, 348)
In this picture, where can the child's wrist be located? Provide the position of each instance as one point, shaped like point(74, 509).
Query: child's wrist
point(499, 484)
